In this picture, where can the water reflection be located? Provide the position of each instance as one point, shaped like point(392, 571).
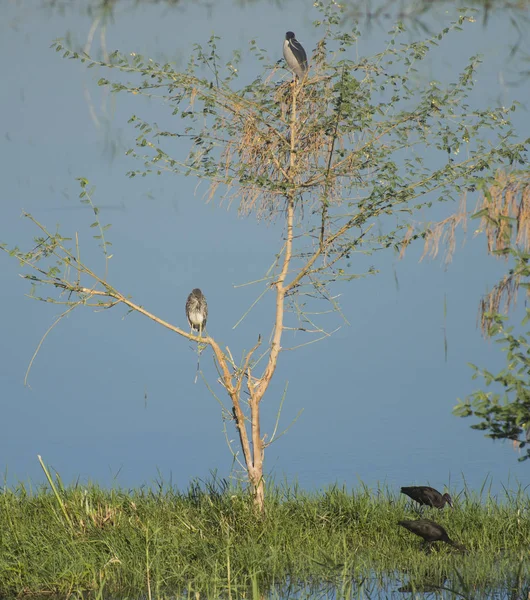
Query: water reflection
point(366, 589)
point(373, 588)
point(376, 588)
point(367, 11)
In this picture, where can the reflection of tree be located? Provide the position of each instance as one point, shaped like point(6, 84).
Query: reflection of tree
point(365, 10)
point(413, 12)
point(504, 213)
point(364, 7)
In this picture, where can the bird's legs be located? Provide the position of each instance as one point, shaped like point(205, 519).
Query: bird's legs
point(418, 509)
point(192, 330)
point(427, 547)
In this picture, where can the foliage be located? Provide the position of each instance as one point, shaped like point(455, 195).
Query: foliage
point(505, 414)
point(208, 540)
point(343, 161)
point(504, 215)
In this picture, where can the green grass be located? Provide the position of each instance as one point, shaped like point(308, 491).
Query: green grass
point(209, 539)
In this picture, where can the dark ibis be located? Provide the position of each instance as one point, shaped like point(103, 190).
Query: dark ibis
point(427, 496)
point(430, 532)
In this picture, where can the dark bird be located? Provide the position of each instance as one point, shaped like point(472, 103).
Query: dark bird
point(295, 55)
point(430, 532)
point(197, 310)
point(428, 496)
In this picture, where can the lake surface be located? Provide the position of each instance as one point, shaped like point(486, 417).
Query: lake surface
point(111, 398)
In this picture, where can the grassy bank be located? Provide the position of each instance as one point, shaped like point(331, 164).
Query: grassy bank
point(208, 539)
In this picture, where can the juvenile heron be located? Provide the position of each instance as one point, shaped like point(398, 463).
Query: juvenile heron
point(295, 55)
point(427, 496)
point(197, 310)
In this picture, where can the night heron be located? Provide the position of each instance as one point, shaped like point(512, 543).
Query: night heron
point(430, 532)
point(427, 496)
point(294, 55)
point(197, 310)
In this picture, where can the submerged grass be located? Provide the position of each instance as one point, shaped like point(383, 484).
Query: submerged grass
point(208, 540)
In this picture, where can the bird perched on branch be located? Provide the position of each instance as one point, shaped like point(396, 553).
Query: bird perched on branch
point(295, 55)
point(427, 496)
point(430, 532)
point(197, 310)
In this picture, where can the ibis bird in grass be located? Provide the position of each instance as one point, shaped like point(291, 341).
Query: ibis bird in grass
point(197, 311)
point(430, 532)
point(295, 55)
point(427, 496)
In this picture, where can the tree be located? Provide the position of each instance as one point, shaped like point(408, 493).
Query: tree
point(367, 10)
point(343, 159)
point(504, 412)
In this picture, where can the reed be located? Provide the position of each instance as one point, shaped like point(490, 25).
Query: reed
point(208, 539)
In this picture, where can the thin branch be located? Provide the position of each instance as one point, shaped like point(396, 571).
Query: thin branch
point(323, 337)
point(278, 414)
point(245, 367)
point(330, 158)
point(251, 307)
point(69, 310)
point(267, 444)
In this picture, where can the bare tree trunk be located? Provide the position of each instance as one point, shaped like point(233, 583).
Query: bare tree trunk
point(256, 393)
point(258, 483)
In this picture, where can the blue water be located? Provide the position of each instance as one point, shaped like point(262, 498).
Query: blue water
point(111, 398)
